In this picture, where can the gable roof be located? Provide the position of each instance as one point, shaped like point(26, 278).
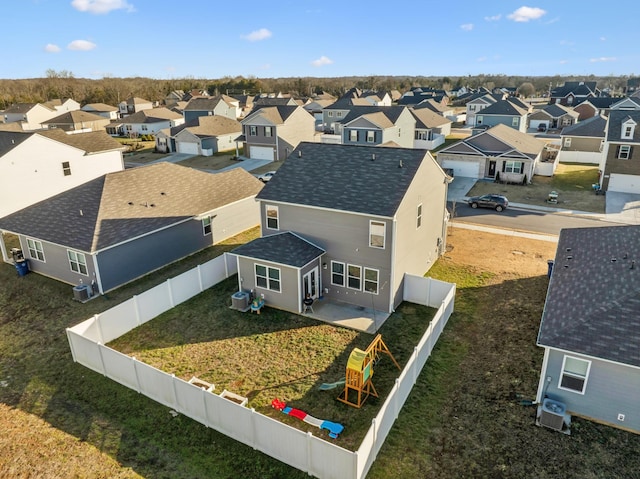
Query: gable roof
point(207, 103)
point(24, 108)
point(427, 118)
point(390, 112)
point(153, 115)
point(283, 248)
point(122, 205)
point(76, 116)
point(90, 142)
point(98, 107)
point(593, 299)
point(577, 88)
point(503, 107)
point(213, 125)
point(614, 127)
point(345, 177)
point(556, 110)
point(593, 127)
point(277, 115)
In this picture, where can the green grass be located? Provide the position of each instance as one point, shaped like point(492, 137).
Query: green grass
point(575, 176)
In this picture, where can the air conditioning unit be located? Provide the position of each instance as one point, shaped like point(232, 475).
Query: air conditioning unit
point(552, 414)
point(240, 301)
point(81, 292)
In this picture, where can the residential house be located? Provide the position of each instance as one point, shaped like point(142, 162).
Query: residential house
point(221, 105)
point(573, 92)
point(316, 107)
point(204, 136)
point(371, 215)
point(29, 115)
point(620, 165)
point(502, 112)
point(594, 106)
point(589, 328)
point(149, 122)
point(552, 117)
point(134, 105)
point(583, 142)
point(62, 106)
point(102, 109)
point(371, 125)
point(431, 128)
point(367, 97)
point(441, 109)
point(274, 101)
point(121, 226)
point(38, 165)
point(77, 122)
point(478, 102)
point(272, 132)
point(417, 95)
point(173, 97)
point(500, 152)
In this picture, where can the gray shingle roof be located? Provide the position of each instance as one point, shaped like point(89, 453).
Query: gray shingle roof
point(152, 115)
point(593, 127)
point(122, 205)
point(503, 107)
point(277, 115)
point(593, 300)
point(344, 177)
point(616, 119)
point(282, 248)
point(76, 116)
point(10, 139)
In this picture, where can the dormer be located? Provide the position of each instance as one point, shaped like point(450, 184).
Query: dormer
point(628, 128)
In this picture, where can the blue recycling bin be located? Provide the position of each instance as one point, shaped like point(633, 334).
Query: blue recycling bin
point(22, 266)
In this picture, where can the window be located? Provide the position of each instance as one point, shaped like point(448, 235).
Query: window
point(78, 262)
point(371, 280)
point(627, 130)
point(267, 277)
point(354, 276)
point(253, 131)
point(376, 234)
point(371, 136)
point(574, 374)
point(479, 120)
point(399, 132)
point(421, 135)
point(419, 216)
point(144, 128)
point(513, 167)
point(567, 142)
point(206, 225)
point(129, 128)
point(337, 273)
point(272, 217)
point(472, 108)
point(330, 114)
point(35, 249)
point(66, 168)
point(353, 135)
point(624, 152)
point(515, 121)
point(338, 114)
point(267, 131)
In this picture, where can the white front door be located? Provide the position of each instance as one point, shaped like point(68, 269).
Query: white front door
point(310, 283)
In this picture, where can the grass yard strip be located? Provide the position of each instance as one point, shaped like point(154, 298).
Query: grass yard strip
point(276, 354)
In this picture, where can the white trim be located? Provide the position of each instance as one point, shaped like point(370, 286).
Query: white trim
point(384, 234)
point(44, 257)
point(78, 254)
point(344, 273)
point(268, 278)
point(266, 216)
point(364, 280)
point(562, 374)
point(359, 277)
point(322, 208)
point(543, 375)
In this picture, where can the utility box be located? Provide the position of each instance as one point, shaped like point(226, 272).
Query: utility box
point(240, 301)
point(82, 292)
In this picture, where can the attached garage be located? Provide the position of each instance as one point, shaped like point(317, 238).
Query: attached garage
point(624, 183)
point(261, 153)
point(187, 147)
point(467, 169)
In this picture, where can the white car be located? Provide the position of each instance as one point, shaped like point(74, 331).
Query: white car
point(266, 176)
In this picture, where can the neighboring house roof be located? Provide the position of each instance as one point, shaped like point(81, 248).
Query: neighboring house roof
point(213, 125)
point(73, 117)
point(22, 108)
point(122, 205)
point(136, 101)
point(593, 299)
point(273, 101)
point(556, 110)
point(378, 119)
point(11, 126)
point(503, 107)
point(593, 127)
point(432, 105)
point(614, 127)
point(153, 115)
point(361, 179)
point(282, 248)
point(578, 88)
point(90, 142)
point(390, 112)
point(10, 139)
point(600, 102)
point(98, 107)
point(427, 118)
point(207, 103)
point(508, 140)
point(277, 115)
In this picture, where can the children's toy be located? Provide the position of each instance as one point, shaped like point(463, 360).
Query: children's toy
point(327, 386)
point(360, 371)
point(333, 427)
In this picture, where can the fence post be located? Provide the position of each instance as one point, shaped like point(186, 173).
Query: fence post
point(200, 278)
point(170, 292)
point(429, 292)
point(374, 425)
point(96, 318)
point(309, 453)
point(71, 345)
point(104, 369)
point(136, 308)
point(175, 393)
point(226, 267)
point(135, 370)
point(397, 397)
point(415, 365)
point(206, 411)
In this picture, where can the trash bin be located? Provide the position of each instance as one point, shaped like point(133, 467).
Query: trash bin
point(22, 266)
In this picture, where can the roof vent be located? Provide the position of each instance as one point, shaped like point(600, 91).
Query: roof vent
point(613, 260)
point(633, 264)
point(299, 153)
point(162, 193)
point(130, 203)
point(568, 249)
point(400, 164)
point(373, 156)
point(81, 213)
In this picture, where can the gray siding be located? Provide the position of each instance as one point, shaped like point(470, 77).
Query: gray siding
point(286, 299)
point(56, 264)
point(362, 133)
point(235, 218)
point(611, 389)
point(134, 259)
point(345, 237)
point(493, 120)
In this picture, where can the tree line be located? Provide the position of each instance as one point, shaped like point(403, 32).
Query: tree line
point(110, 90)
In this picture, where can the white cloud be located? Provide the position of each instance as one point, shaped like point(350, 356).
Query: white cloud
point(481, 59)
point(257, 35)
point(99, 7)
point(603, 39)
point(493, 18)
point(524, 14)
point(83, 45)
point(322, 61)
point(602, 59)
point(467, 27)
point(51, 48)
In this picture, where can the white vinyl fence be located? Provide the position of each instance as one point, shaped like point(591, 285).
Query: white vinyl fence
point(301, 450)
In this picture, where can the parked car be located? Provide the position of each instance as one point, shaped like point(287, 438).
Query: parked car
point(496, 202)
point(542, 127)
point(265, 177)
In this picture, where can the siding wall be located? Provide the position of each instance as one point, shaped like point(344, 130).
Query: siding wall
point(286, 298)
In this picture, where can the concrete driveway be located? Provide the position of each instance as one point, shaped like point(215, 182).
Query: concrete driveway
point(459, 188)
point(623, 208)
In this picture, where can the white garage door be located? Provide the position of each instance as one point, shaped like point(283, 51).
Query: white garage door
point(467, 169)
point(261, 153)
point(186, 147)
point(624, 183)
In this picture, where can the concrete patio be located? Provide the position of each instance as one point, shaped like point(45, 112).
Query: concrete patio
point(348, 315)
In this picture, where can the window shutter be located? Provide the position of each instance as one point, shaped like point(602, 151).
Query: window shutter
point(618, 151)
point(504, 166)
point(357, 136)
point(522, 167)
point(630, 152)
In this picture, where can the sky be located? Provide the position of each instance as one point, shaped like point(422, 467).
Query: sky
point(211, 39)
